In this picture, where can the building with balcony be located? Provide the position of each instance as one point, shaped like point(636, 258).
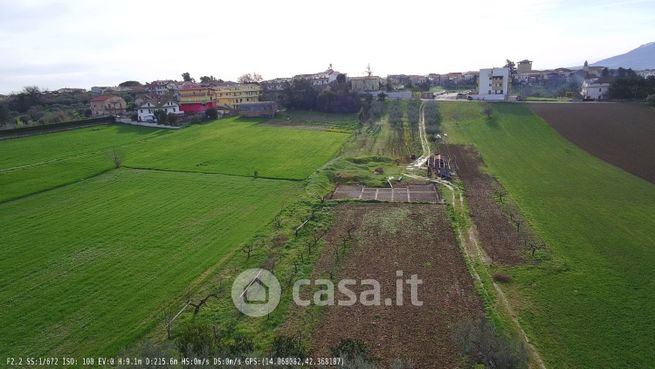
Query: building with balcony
point(146, 111)
point(493, 84)
point(230, 95)
point(197, 99)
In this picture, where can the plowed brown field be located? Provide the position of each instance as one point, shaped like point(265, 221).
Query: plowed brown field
point(499, 238)
point(619, 133)
point(414, 238)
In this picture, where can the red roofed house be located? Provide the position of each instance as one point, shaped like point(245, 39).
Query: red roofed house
point(107, 105)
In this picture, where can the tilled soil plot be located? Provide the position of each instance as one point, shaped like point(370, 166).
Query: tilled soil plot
point(416, 239)
point(498, 237)
point(408, 193)
point(621, 134)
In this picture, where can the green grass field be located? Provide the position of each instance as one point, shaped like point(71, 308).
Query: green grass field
point(88, 267)
point(239, 147)
point(228, 146)
point(91, 256)
point(315, 120)
point(589, 304)
point(38, 163)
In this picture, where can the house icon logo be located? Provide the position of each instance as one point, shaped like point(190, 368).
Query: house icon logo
point(256, 292)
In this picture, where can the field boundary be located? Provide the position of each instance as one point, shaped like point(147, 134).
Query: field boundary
point(57, 186)
point(214, 173)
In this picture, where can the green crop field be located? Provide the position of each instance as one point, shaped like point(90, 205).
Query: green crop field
point(228, 146)
point(239, 147)
point(589, 303)
point(37, 163)
point(86, 268)
point(92, 255)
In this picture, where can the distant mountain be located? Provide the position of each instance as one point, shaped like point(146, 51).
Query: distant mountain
point(640, 58)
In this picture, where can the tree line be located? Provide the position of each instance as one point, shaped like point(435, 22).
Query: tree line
point(336, 98)
point(630, 85)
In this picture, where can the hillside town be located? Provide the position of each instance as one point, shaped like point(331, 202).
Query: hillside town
point(173, 102)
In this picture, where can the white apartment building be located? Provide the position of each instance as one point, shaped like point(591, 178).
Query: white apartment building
point(493, 84)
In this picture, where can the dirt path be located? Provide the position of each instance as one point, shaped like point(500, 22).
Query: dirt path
point(425, 145)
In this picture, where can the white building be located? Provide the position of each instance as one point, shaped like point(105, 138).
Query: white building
point(146, 111)
point(319, 79)
point(595, 89)
point(161, 88)
point(493, 84)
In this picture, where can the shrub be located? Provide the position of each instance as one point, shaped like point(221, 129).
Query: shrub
point(161, 116)
point(172, 118)
point(350, 349)
point(197, 340)
point(502, 277)
point(280, 240)
point(285, 346)
point(651, 99)
point(487, 111)
point(483, 346)
point(212, 113)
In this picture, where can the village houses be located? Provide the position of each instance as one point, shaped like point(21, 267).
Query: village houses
point(105, 105)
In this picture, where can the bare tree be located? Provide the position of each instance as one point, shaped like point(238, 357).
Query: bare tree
point(248, 249)
point(516, 219)
point(536, 245)
point(316, 236)
point(197, 306)
point(116, 158)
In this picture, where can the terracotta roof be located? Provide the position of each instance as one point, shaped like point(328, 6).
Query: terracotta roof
point(101, 98)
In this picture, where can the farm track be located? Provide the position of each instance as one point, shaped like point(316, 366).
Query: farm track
point(425, 145)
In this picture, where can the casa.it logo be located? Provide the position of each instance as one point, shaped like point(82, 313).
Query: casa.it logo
point(256, 292)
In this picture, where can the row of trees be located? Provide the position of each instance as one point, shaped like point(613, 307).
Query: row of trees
point(432, 120)
point(301, 94)
point(33, 106)
point(245, 78)
point(632, 86)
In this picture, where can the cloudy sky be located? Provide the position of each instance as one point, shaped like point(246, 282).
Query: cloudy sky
point(67, 43)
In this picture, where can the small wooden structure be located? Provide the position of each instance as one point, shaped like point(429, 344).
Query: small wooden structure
point(439, 166)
